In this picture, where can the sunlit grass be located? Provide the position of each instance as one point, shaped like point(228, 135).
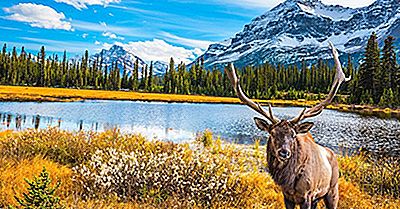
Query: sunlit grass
point(43, 94)
point(22, 93)
point(13, 172)
point(96, 170)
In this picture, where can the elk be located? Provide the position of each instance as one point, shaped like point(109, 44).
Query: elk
point(305, 171)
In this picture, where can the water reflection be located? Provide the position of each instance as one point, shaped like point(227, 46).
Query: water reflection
point(179, 122)
point(20, 122)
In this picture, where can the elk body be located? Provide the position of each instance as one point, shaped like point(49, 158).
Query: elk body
point(306, 171)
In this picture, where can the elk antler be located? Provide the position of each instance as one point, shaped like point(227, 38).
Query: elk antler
point(339, 78)
point(255, 106)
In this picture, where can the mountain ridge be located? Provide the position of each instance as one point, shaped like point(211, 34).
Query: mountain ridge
point(127, 58)
point(297, 30)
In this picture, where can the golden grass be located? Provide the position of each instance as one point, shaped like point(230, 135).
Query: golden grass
point(21, 93)
point(44, 94)
point(254, 189)
point(13, 173)
point(375, 176)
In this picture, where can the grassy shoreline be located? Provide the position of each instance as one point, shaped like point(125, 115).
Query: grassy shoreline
point(205, 174)
point(44, 94)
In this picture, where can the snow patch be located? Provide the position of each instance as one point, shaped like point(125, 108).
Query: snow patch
point(306, 8)
point(336, 15)
point(287, 41)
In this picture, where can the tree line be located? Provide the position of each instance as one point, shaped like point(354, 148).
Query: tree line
point(378, 78)
point(375, 82)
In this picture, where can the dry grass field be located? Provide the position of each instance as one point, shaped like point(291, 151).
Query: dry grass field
point(43, 94)
point(112, 170)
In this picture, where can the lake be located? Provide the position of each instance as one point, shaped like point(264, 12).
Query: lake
point(180, 122)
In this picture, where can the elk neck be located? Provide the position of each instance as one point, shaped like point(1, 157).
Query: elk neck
point(284, 173)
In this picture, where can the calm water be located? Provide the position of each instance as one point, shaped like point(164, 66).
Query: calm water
point(181, 122)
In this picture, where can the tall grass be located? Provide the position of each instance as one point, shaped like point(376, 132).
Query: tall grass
point(112, 170)
point(375, 175)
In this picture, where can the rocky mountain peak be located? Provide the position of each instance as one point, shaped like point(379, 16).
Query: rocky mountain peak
point(297, 30)
point(123, 57)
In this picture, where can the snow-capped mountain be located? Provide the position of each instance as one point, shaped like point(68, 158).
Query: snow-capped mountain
point(160, 66)
point(301, 29)
point(122, 56)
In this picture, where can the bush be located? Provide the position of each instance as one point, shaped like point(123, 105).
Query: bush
point(65, 147)
point(40, 194)
point(13, 172)
point(387, 99)
point(140, 175)
point(111, 170)
point(205, 139)
point(366, 98)
point(377, 176)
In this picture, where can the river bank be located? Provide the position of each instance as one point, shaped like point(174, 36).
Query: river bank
point(189, 175)
point(43, 94)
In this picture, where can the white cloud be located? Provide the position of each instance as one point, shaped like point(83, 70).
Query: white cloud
point(39, 16)
point(85, 35)
point(112, 35)
point(160, 50)
point(103, 24)
point(186, 41)
point(103, 27)
point(97, 42)
point(82, 4)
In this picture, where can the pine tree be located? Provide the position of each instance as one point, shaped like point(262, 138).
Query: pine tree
point(40, 194)
point(387, 99)
point(172, 77)
point(3, 66)
point(42, 66)
point(369, 71)
point(166, 81)
point(389, 65)
point(144, 78)
point(124, 81)
point(150, 78)
point(135, 76)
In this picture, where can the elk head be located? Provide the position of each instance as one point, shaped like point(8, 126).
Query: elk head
point(283, 136)
point(283, 132)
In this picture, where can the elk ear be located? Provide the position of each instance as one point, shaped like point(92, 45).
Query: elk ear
point(304, 127)
point(262, 124)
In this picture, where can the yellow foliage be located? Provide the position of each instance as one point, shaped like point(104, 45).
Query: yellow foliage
point(22, 93)
point(25, 154)
point(262, 192)
point(13, 173)
point(42, 94)
point(6, 133)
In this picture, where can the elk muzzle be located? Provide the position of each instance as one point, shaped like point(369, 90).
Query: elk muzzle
point(284, 154)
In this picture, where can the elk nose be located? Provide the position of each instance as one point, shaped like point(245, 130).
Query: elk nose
point(284, 154)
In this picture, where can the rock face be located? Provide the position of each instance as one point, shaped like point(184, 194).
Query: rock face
point(301, 29)
point(120, 55)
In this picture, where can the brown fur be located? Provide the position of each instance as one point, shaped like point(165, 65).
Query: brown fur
point(306, 177)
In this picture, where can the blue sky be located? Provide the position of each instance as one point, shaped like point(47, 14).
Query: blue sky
point(152, 29)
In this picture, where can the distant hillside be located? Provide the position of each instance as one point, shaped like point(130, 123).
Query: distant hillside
point(301, 29)
point(120, 55)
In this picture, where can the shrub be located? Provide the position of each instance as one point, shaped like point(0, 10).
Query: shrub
point(13, 173)
point(40, 194)
point(387, 99)
point(65, 147)
point(375, 175)
point(206, 138)
point(112, 170)
point(140, 175)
